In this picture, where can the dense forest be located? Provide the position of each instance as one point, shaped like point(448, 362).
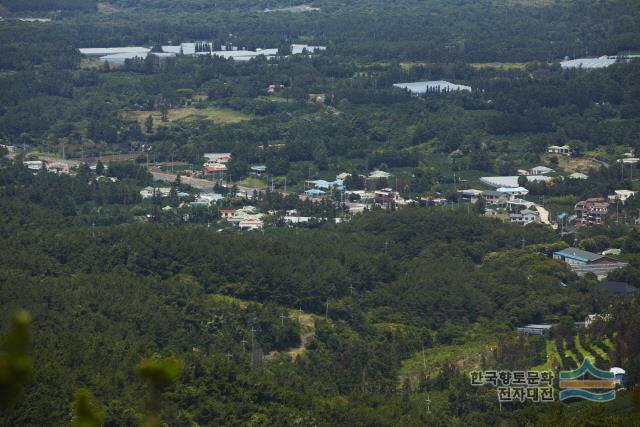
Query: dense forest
point(120, 310)
point(379, 289)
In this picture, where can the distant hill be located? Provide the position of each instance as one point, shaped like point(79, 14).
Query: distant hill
point(190, 5)
point(44, 5)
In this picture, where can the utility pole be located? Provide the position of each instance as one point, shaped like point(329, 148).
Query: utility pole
point(351, 289)
point(243, 344)
point(523, 242)
point(282, 316)
point(326, 313)
point(229, 355)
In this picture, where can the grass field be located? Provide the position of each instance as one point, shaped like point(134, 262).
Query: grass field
point(90, 63)
point(253, 182)
point(466, 356)
point(190, 114)
point(571, 164)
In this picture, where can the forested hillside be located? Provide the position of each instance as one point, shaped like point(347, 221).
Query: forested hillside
point(393, 282)
point(239, 218)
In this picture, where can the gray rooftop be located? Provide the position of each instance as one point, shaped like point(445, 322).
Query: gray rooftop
point(580, 254)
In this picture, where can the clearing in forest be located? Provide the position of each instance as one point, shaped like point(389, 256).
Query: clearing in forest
point(189, 114)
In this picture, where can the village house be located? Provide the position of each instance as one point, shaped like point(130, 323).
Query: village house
point(513, 191)
point(250, 223)
point(314, 192)
point(150, 192)
point(526, 216)
point(355, 208)
point(275, 87)
point(246, 218)
point(578, 175)
point(321, 184)
point(258, 169)
point(227, 213)
point(209, 198)
point(621, 196)
point(517, 205)
point(34, 165)
point(58, 167)
point(470, 194)
point(534, 329)
point(591, 211)
point(318, 98)
point(388, 198)
point(540, 170)
point(495, 197)
point(378, 174)
point(217, 157)
point(11, 149)
point(439, 201)
point(214, 168)
point(564, 150)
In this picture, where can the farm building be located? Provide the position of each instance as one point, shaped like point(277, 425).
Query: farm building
point(588, 63)
point(121, 58)
point(104, 51)
point(301, 48)
point(583, 262)
point(511, 181)
point(535, 329)
point(420, 88)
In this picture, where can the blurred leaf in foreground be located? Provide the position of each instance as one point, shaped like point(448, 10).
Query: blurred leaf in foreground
point(16, 366)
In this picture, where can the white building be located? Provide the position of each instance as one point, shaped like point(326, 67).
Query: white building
point(301, 48)
point(540, 170)
point(104, 51)
point(121, 58)
point(34, 165)
point(419, 88)
point(578, 175)
point(513, 191)
point(217, 157)
point(588, 63)
point(565, 150)
point(621, 196)
point(379, 174)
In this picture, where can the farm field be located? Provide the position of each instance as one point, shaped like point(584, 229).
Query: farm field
point(190, 114)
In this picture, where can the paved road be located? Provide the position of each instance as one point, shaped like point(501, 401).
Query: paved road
point(202, 184)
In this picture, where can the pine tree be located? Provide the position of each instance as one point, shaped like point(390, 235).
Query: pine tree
point(148, 124)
